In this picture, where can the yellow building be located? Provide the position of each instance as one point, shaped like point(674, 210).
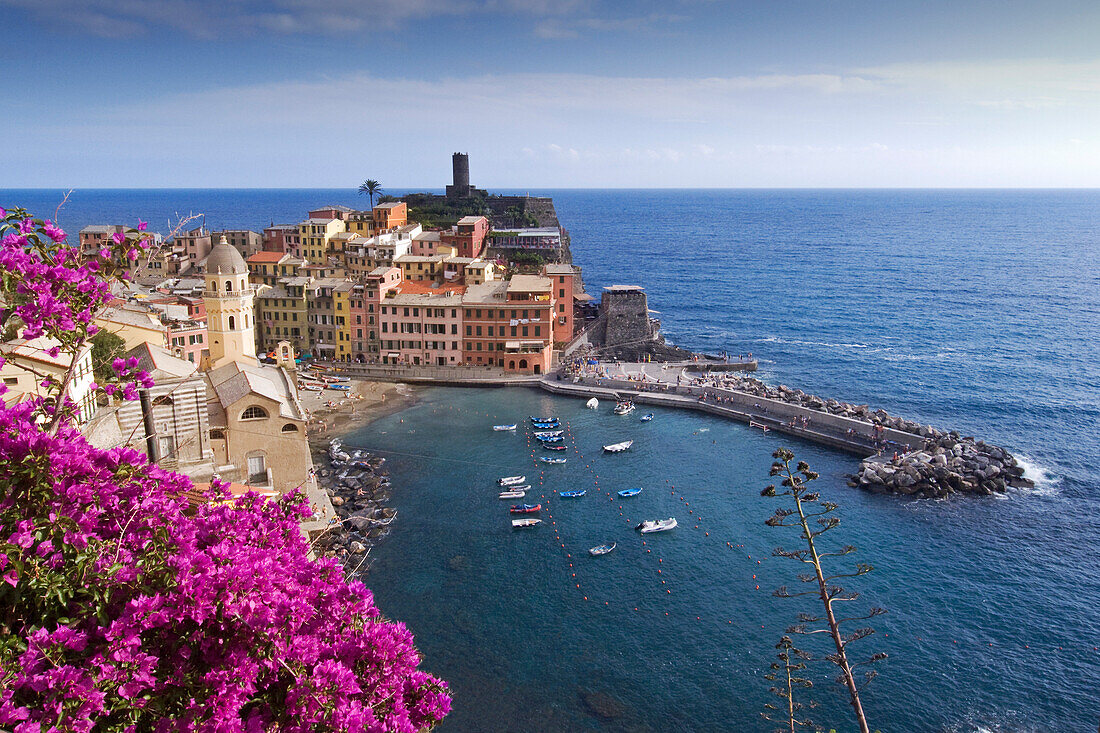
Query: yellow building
point(268, 267)
point(282, 315)
point(341, 306)
point(134, 324)
point(420, 267)
point(316, 235)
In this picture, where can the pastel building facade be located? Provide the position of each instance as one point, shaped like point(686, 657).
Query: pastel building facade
point(230, 316)
point(421, 325)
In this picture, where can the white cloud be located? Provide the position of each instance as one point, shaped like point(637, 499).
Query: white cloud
point(888, 126)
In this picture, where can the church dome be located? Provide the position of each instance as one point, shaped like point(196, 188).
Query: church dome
point(225, 260)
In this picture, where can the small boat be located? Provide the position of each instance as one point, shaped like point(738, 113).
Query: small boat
point(549, 433)
point(546, 459)
point(592, 404)
point(310, 387)
point(602, 549)
point(511, 480)
point(576, 494)
point(618, 447)
point(553, 446)
point(517, 487)
point(624, 408)
point(340, 387)
point(547, 425)
point(630, 492)
point(544, 419)
point(501, 428)
point(762, 426)
point(647, 417)
point(336, 379)
point(513, 494)
point(551, 439)
point(657, 525)
point(526, 522)
point(526, 509)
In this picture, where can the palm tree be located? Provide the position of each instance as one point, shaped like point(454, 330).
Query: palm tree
point(372, 188)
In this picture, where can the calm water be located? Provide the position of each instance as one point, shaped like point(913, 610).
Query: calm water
point(974, 310)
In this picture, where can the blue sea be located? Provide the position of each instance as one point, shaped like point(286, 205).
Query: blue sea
point(972, 310)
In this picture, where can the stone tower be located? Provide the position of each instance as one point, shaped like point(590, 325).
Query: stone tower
point(230, 322)
point(460, 169)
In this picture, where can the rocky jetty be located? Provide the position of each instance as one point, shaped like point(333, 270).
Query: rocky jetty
point(359, 489)
point(937, 464)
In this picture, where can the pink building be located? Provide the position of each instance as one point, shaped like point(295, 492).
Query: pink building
point(468, 236)
point(283, 238)
point(421, 323)
point(376, 287)
point(187, 339)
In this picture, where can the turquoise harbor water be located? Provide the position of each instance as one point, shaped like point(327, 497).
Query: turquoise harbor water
point(976, 310)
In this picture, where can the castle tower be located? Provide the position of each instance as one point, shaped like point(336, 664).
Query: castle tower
point(460, 169)
point(230, 322)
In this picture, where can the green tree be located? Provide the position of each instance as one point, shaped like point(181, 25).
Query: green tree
point(106, 347)
point(371, 188)
point(810, 509)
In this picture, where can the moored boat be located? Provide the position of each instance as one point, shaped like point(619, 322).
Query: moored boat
point(647, 417)
point(548, 433)
point(553, 446)
point(525, 522)
point(602, 549)
point(550, 439)
point(656, 525)
point(592, 404)
point(547, 425)
point(630, 492)
point(544, 419)
point(618, 447)
point(575, 494)
point(526, 508)
point(624, 407)
point(513, 494)
point(546, 459)
point(510, 480)
point(504, 427)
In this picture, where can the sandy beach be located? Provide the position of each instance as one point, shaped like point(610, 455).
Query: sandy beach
point(332, 414)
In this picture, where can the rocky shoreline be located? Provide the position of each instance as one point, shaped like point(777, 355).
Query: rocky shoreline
point(356, 482)
point(945, 462)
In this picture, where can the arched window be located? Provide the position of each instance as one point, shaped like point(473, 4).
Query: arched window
point(522, 363)
point(162, 400)
point(232, 323)
point(229, 286)
point(290, 428)
point(213, 286)
point(217, 434)
point(511, 363)
point(254, 412)
point(246, 320)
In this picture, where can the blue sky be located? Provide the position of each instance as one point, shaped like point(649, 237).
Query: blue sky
point(551, 93)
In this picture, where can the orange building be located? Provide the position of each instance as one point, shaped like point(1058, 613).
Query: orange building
point(562, 277)
point(509, 324)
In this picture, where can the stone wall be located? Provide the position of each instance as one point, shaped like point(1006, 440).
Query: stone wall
point(626, 316)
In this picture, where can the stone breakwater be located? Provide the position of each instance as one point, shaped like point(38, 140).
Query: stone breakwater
point(936, 463)
point(359, 490)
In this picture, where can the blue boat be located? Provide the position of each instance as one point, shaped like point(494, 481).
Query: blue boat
point(553, 446)
point(548, 425)
point(572, 494)
point(544, 419)
point(554, 439)
point(630, 492)
point(647, 417)
point(545, 459)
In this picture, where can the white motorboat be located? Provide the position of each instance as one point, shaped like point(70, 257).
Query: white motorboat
point(624, 408)
point(656, 525)
point(602, 549)
point(618, 447)
point(549, 433)
point(526, 522)
point(501, 428)
point(515, 494)
point(592, 404)
point(511, 480)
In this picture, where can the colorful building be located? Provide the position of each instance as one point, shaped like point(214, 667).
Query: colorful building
point(563, 277)
point(315, 235)
point(421, 324)
point(267, 268)
point(282, 314)
point(508, 324)
point(468, 236)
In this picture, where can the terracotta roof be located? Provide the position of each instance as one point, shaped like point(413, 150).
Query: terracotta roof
point(414, 287)
point(264, 257)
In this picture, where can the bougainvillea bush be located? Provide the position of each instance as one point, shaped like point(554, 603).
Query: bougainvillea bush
point(126, 607)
